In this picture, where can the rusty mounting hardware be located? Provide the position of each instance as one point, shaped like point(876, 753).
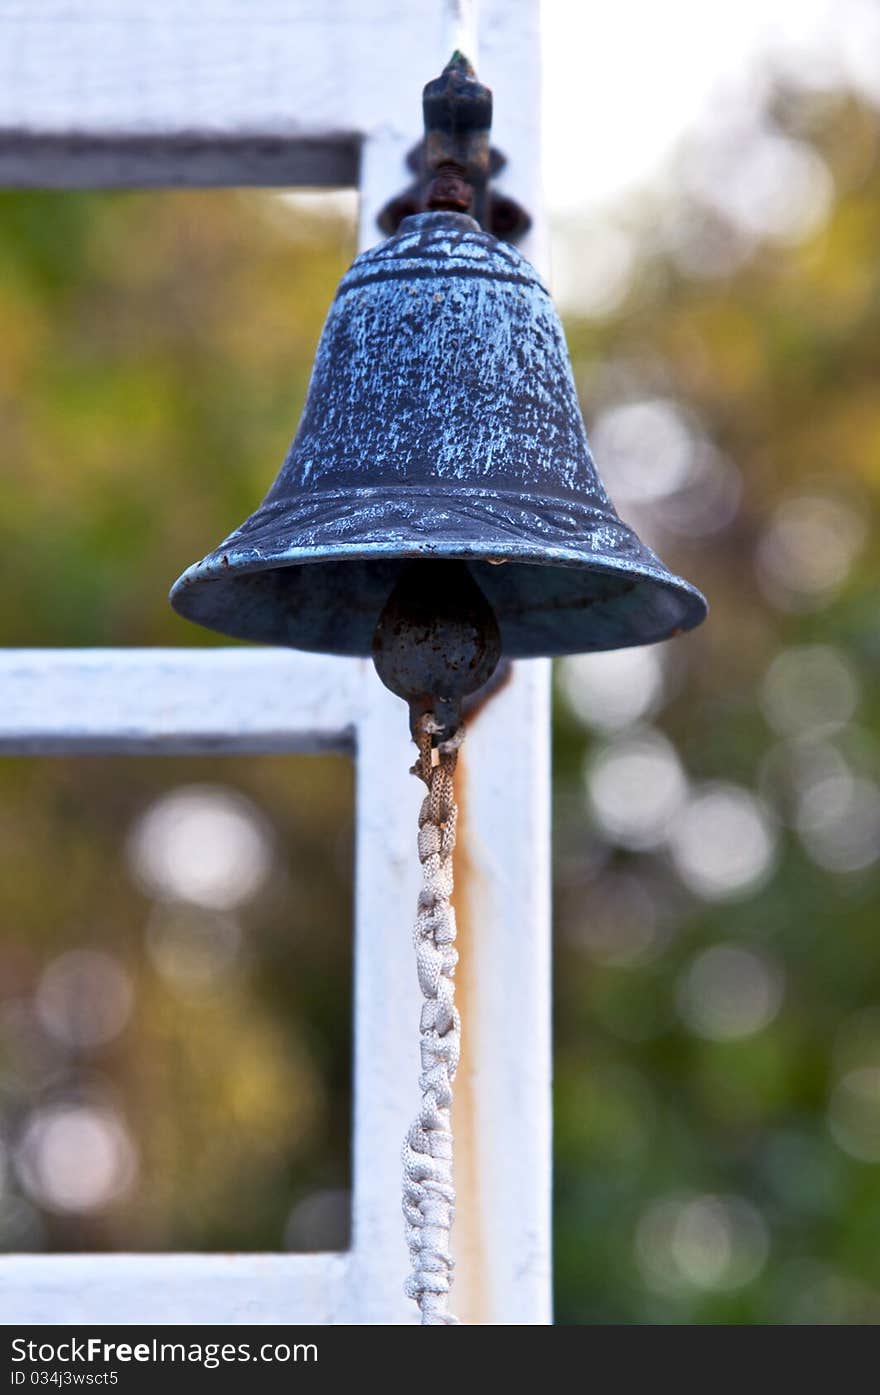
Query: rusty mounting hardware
point(458, 117)
point(454, 162)
point(436, 642)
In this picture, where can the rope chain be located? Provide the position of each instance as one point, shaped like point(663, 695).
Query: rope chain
point(428, 1191)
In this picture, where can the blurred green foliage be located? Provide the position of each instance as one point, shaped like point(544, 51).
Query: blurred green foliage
point(154, 359)
point(156, 353)
point(777, 362)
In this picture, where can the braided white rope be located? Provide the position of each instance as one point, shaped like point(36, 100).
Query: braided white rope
point(428, 1191)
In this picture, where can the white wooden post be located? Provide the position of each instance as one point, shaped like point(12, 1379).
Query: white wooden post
point(280, 91)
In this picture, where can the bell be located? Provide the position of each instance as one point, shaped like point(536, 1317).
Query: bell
point(441, 423)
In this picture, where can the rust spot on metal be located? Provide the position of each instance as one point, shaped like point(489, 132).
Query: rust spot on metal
point(472, 1275)
point(473, 706)
point(454, 162)
point(450, 189)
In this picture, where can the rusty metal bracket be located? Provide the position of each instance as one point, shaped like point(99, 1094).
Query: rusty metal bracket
point(454, 162)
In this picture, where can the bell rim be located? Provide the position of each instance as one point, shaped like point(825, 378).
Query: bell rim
point(194, 586)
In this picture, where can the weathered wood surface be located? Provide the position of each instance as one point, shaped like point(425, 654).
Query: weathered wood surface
point(75, 702)
point(172, 1289)
point(118, 92)
point(176, 701)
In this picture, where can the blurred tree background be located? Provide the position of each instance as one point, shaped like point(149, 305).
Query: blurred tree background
point(175, 947)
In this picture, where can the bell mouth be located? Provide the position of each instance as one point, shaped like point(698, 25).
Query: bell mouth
point(562, 577)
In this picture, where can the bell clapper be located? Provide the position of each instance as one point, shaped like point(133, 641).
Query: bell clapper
point(436, 642)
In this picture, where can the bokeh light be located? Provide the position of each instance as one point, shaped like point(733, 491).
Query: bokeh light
point(619, 922)
point(722, 841)
point(203, 844)
point(75, 1157)
point(644, 450)
point(854, 1108)
point(729, 992)
point(791, 769)
point(767, 184)
point(636, 784)
point(84, 998)
point(614, 689)
point(809, 690)
point(659, 464)
point(807, 551)
point(838, 820)
point(702, 243)
point(708, 499)
point(701, 1242)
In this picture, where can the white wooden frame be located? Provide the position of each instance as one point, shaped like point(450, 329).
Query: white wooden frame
point(119, 92)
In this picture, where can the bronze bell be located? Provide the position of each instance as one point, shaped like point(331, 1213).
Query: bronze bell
point(442, 424)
